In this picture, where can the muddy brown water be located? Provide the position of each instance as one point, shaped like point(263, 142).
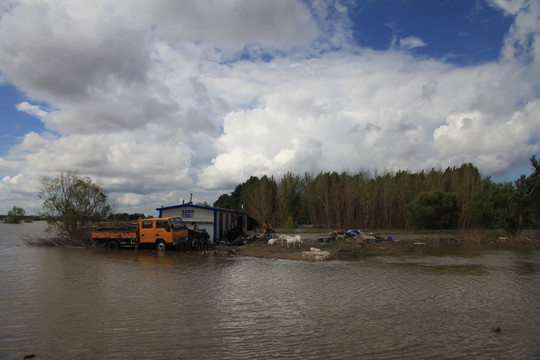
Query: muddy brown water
point(68, 303)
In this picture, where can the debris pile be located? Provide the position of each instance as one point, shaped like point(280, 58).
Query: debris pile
point(358, 236)
point(315, 254)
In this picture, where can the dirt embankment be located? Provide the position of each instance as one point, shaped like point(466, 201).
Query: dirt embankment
point(327, 245)
point(322, 246)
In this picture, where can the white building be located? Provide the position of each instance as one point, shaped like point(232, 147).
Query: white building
point(217, 222)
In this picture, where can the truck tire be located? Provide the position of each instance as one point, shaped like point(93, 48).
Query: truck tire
point(161, 245)
point(197, 244)
point(112, 244)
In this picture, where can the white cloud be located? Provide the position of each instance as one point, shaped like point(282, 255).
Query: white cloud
point(34, 110)
point(33, 143)
point(521, 42)
point(411, 42)
point(160, 99)
point(511, 7)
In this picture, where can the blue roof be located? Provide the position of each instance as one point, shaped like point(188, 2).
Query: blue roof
point(200, 207)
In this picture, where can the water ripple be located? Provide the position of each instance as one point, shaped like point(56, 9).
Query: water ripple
point(76, 303)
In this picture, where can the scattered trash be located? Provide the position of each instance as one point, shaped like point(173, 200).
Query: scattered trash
point(358, 236)
point(352, 233)
point(316, 255)
point(313, 249)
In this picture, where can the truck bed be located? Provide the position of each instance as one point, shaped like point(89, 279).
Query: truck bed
point(124, 236)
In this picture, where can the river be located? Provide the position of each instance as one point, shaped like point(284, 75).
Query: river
point(71, 303)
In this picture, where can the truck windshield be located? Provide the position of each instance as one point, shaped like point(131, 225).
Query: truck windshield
point(177, 223)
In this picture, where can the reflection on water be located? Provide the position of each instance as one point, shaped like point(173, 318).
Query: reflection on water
point(80, 303)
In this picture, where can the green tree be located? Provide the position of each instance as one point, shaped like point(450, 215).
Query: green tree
point(71, 202)
point(233, 201)
point(499, 205)
point(484, 204)
point(223, 201)
point(531, 187)
point(463, 182)
point(432, 210)
point(15, 215)
point(509, 208)
point(259, 197)
point(289, 199)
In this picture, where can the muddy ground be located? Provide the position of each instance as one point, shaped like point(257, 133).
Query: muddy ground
point(318, 245)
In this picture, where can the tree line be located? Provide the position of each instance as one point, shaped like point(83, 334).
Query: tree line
point(17, 215)
point(458, 197)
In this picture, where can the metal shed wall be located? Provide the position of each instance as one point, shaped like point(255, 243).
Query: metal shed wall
point(215, 221)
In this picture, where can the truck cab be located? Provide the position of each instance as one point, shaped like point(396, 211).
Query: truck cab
point(162, 232)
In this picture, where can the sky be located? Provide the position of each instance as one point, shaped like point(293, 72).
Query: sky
point(158, 100)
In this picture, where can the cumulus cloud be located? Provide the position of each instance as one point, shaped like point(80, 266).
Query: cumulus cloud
point(57, 54)
point(160, 99)
point(522, 41)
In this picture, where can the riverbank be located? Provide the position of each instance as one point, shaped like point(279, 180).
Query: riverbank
point(320, 246)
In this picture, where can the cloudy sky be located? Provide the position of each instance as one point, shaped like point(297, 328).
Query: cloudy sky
point(155, 100)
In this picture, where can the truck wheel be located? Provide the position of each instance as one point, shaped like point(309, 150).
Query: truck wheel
point(196, 245)
point(112, 244)
point(161, 245)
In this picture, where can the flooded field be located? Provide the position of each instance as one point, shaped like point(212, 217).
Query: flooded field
point(69, 303)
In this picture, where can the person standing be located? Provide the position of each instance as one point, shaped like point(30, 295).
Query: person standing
point(267, 230)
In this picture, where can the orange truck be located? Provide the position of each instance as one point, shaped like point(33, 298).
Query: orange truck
point(160, 233)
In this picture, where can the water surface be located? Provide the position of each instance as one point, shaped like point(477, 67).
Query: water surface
point(68, 303)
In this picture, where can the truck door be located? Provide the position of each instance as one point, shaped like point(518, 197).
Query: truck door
point(146, 232)
point(164, 231)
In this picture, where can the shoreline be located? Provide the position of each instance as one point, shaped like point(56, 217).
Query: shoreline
point(314, 249)
point(319, 244)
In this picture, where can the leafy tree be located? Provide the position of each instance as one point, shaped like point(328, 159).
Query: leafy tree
point(484, 204)
point(71, 202)
point(517, 205)
point(532, 195)
point(289, 198)
point(15, 215)
point(508, 208)
point(259, 197)
point(233, 201)
point(432, 210)
point(223, 201)
point(463, 182)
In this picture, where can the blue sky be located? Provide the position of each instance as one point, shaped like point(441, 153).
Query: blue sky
point(158, 100)
point(463, 32)
point(15, 124)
